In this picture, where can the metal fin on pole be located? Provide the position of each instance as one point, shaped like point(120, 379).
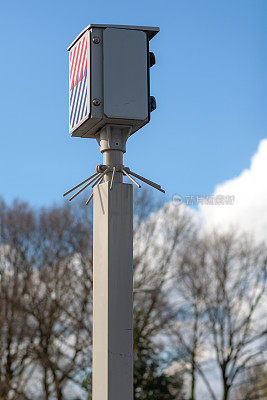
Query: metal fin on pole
point(112, 178)
point(80, 184)
point(90, 198)
point(147, 181)
point(126, 173)
point(97, 178)
point(82, 189)
point(88, 184)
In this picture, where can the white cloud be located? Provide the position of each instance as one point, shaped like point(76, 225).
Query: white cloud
point(249, 211)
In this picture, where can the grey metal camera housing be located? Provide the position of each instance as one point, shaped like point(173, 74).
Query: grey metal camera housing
point(110, 78)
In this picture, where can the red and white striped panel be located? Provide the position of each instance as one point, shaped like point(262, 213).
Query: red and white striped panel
point(78, 93)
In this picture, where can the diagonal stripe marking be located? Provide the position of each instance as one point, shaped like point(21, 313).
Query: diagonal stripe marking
point(72, 61)
point(75, 89)
point(79, 63)
point(76, 102)
point(81, 100)
point(85, 101)
point(75, 66)
point(83, 61)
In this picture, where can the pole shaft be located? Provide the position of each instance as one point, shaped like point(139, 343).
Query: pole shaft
point(113, 292)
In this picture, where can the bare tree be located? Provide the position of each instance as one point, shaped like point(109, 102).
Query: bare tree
point(222, 280)
point(159, 236)
point(237, 271)
point(16, 336)
point(46, 307)
point(60, 302)
point(252, 385)
point(157, 241)
point(60, 309)
point(189, 330)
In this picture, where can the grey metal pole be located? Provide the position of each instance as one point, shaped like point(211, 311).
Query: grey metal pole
point(113, 285)
point(109, 107)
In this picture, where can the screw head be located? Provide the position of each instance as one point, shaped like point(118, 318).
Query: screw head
point(96, 102)
point(96, 39)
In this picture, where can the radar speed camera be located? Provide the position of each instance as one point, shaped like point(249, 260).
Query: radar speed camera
point(109, 78)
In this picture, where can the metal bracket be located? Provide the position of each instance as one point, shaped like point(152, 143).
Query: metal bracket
point(101, 170)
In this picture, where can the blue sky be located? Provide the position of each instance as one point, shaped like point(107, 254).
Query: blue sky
point(210, 82)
